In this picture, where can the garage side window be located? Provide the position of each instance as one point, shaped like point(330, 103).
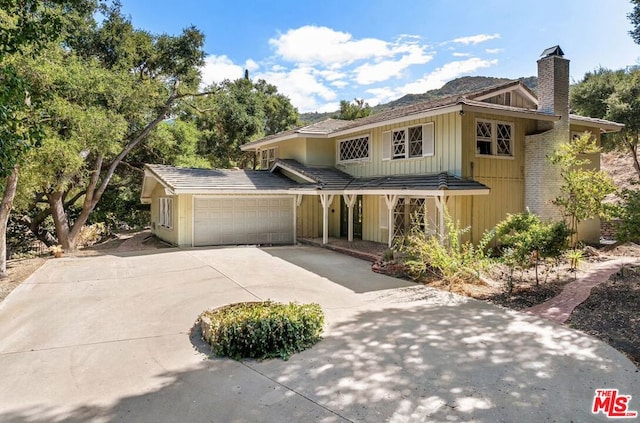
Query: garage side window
point(166, 212)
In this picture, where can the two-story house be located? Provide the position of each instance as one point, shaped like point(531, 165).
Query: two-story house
point(477, 156)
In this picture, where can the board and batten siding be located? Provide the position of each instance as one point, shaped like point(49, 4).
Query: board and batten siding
point(165, 234)
point(503, 175)
point(309, 217)
point(446, 158)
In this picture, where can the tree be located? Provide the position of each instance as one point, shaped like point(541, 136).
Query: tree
point(634, 17)
point(26, 27)
point(111, 86)
point(242, 111)
point(355, 110)
point(583, 189)
point(613, 95)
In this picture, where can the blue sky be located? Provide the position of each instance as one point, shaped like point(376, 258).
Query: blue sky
point(321, 52)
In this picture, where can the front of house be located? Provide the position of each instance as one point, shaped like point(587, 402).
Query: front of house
point(477, 156)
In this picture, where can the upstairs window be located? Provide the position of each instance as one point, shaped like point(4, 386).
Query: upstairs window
point(494, 138)
point(410, 142)
point(354, 149)
point(268, 157)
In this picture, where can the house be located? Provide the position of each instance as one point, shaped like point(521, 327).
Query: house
point(477, 156)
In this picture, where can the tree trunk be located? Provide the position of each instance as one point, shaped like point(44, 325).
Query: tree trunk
point(5, 210)
point(634, 155)
point(61, 221)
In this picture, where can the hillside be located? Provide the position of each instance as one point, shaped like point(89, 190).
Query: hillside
point(456, 86)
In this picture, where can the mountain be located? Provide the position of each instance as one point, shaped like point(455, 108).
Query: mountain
point(456, 86)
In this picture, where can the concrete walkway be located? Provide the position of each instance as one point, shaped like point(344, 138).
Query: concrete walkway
point(107, 338)
point(560, 307)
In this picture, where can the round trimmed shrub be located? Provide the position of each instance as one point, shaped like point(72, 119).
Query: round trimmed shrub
point(262, 329)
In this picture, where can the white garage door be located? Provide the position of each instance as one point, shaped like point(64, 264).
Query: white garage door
point(243, 220)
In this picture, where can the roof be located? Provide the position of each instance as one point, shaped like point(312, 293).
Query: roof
point(467, 101)
point(189, 180)
point(178, 180)
point(326, 178)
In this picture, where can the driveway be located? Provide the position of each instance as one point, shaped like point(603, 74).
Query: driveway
point(108, 339)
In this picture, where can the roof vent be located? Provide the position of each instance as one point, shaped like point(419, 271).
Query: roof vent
point(553, 51)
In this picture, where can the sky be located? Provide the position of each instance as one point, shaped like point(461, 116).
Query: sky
point(320, 52)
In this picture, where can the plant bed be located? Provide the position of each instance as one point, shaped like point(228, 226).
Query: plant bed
point(611, 313)
point(262, 330)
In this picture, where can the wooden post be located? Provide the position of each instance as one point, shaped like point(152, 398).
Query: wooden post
point(390, 200)
point(326, 201)
point(350, 201)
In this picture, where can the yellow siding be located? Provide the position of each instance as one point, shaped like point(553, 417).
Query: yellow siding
point(447, 157)
point(292, 149)
point(185, 220)
point(309, 217)
point(320, 152)
point(504, 176)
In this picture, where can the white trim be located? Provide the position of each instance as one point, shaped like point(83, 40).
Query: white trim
point(517, 88)
point(165, 213)
point(532, 114)
point(293, 171)
point(494, 139)
point(602, 126)
point(354, 137)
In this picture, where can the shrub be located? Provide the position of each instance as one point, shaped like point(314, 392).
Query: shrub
point(629, 213)
point(262, 329)
point(526, 240)
point(92, 234)
point(449, 258)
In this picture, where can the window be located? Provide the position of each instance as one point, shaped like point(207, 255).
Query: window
point(494, 138)
point(165, 218)
point(268, 157)
point(408, 212)
point(411, 142)
point(353, 149)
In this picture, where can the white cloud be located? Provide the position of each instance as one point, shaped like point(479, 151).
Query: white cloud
point(494, 50)
point(251, 65)
point(339, 84)
point(302, 87)
point(369, 73)
point(322, 45)
point(476, 39)
point(219, 68)
point(381, 95)
point(449, 71)
point(461, 54)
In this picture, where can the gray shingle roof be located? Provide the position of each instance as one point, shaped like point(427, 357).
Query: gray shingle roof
point(178, 178)
point(332, 179)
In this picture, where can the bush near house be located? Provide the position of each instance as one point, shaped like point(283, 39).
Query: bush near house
point(447, 257)
point(525, 240)
point(262, 329)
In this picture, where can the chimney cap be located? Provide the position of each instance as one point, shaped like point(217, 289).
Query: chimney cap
point(553, 51)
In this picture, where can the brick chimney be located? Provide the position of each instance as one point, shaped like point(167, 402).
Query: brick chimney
point(542, 179)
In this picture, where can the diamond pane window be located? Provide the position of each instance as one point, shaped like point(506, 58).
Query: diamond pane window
point(415, 141)
point(483, 137)
point(354, 149)
point(399, 144)
point(503, 139)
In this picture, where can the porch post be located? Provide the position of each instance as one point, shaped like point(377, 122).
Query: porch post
point(350, 200)
point(326, 201)
point(440, 200)
point(390, 200)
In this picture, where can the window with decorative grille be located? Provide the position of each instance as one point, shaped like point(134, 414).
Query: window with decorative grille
point(268, 157)
point(494, 138)
point(399, 144)
point(408, 213)
point(354, 149)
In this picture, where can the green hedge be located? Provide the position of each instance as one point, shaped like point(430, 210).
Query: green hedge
point(262, 329)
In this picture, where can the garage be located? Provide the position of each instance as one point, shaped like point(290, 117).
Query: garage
point(243, 220)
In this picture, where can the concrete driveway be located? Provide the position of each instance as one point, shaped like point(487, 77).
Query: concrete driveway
point(107, 339)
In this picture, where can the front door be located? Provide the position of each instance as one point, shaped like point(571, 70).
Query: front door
point(357, 218)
